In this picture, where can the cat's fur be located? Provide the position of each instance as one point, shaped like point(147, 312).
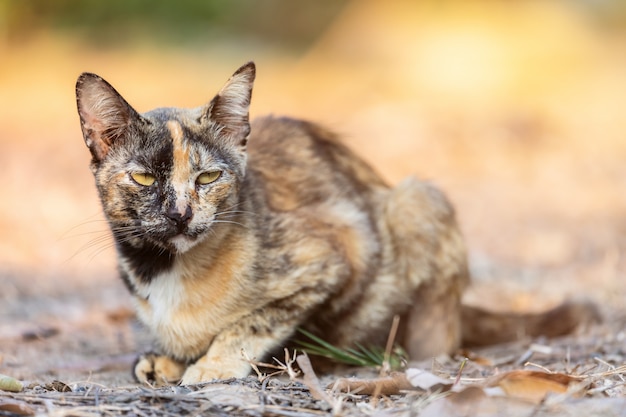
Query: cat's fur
point(296, 231)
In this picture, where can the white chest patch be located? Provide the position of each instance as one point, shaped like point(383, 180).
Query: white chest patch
point(164, 307)
point(163, 294)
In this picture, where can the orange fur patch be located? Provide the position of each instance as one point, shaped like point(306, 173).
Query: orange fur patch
point(180, 173)
point(181, 151)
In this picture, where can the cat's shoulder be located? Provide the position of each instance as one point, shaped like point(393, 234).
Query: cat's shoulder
point(306, 146)
point(306, 162)
point(275, 130)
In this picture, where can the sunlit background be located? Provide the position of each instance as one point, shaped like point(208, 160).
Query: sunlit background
point(517, 109)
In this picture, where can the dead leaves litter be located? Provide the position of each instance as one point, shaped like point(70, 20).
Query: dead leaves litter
point(15, 408)
point(388, 385)
point(534, 386)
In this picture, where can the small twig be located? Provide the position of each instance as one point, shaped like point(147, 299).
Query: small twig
point(619, 371)
point(311, 381)
point(280, 368)
point(602, 390)
point(293, 374)
point(536, 365)
point(386, 367)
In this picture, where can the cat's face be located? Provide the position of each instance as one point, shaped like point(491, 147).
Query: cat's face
point(166, 178)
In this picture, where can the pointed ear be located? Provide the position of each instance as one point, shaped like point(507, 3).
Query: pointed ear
point(229, 109)
point(104, 114)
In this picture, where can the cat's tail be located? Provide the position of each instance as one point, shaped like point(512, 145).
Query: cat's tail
point(480, 327)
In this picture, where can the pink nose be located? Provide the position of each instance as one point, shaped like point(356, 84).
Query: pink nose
point(179, 219)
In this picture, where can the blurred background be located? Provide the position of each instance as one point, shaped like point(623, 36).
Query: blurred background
point(515, 108)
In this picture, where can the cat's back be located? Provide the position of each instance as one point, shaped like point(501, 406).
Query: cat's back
point(298, 163)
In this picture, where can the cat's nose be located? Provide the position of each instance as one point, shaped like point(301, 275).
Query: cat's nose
point(179, 218)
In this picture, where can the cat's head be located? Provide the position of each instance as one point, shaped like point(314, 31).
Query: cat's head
point(165, 176)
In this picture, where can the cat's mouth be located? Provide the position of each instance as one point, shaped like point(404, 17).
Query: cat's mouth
point(183, 242)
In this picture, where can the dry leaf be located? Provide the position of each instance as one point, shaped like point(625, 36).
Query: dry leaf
point(427, 381)
point(58, 386)
point(472, 356)
point(532, 385)
point(19, 409)
point(8, 383)
point(388, 385)
point(473, 401)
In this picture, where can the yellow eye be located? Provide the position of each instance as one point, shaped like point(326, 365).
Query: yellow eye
point(208, 177)
point(143, 178)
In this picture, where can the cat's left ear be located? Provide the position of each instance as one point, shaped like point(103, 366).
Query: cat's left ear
point(104, 114)
point(229, 109)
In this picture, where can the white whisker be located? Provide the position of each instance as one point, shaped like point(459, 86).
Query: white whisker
point(230, 222)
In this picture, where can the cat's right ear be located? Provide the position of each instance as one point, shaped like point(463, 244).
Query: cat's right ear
point(229, 109)
point(104, 114)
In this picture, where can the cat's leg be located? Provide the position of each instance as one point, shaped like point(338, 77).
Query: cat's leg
point(432, 324)
point(229, 353)
point(158, 370)
point(421, 276)
point(251, 338)
point(430, 258)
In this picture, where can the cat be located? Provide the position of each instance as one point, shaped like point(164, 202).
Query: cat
point(230, 235)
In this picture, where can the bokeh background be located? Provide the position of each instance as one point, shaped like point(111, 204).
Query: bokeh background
point(517, 109)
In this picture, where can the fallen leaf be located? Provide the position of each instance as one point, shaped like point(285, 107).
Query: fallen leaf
point(8, 383)
point(388, 385)
point(427, 381)
point(58, 386)
point(473, 401)
point(480, 360)
point(532, 385)
point(19, 409)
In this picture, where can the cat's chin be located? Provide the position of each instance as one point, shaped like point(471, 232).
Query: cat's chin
point(183, 243)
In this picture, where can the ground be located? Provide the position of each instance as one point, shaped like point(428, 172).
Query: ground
point(515, 110)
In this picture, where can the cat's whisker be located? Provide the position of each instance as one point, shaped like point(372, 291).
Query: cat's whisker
point(89, 233)
point(231, 209)
point(68, 234)
point(228, 217)
point(100, 250)
point(230, 222)
point(234, 213)
point(98, 244)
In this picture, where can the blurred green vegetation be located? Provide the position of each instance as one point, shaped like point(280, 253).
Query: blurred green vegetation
point(284, 23)
point(292, 24)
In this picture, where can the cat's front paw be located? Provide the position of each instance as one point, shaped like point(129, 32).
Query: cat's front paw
point(196, 374)
point(200, 372)
point(157, 371)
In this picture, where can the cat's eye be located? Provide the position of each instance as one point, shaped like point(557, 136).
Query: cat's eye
point(208, 177)
point(143, 178)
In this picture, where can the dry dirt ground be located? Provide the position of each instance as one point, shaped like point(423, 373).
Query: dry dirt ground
point(515, 109)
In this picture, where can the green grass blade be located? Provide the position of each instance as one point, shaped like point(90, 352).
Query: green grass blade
point(325, 349)
point(377, 356)
point(357, 356)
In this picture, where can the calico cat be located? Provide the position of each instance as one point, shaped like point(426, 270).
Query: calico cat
point(231, 235)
